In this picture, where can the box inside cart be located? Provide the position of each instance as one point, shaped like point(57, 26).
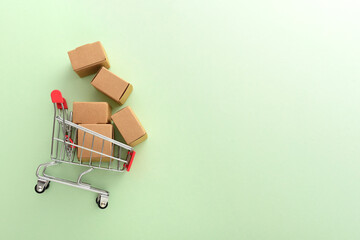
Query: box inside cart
point(87, 141)
point(91, 112)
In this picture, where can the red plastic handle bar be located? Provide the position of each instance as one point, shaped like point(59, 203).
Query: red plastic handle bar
point(132, 155)
point(56, 97)
point(64, 103)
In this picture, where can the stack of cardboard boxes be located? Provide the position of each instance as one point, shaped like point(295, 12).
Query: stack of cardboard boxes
point(96, 116)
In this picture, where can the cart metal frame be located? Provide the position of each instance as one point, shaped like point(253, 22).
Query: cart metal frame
point(63, 149)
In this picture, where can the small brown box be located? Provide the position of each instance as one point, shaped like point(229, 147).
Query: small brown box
point(91, 112)
point(88, 59)
point(112, 85)
point(104, 129)
point(129, 126)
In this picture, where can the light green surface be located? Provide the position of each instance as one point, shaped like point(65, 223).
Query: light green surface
point(251, 109)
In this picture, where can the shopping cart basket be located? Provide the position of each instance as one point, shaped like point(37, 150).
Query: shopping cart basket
point(64, 145)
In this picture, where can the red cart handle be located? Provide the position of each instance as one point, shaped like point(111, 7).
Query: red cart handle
point(56, 97)
point(132, 155)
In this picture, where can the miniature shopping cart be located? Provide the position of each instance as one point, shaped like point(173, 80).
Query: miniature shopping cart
point(65, 143)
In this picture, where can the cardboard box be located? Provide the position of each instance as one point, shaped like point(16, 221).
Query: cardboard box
point(129, 126)
point(112, 85)
point(104, 129)
point(88, 59)
point(91, 112)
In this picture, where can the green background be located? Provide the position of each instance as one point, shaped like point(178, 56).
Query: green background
point(251, 108)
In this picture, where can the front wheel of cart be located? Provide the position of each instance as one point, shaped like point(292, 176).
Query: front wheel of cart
point(41, 186)
point(103, 206)
point(39, 189)
point(102, 201)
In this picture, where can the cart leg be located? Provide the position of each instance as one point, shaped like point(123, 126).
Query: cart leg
point(44, 181)
point(82, 174)
point(102, 201)
point(44, 166)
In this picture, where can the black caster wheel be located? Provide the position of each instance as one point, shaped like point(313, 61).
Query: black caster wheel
point(47, 186)
point(102, 207)
point(39, 189)
point(97, 200)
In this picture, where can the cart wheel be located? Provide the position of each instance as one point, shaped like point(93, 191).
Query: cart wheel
point(102, 207)
point(102, 201)
point(39, 189)
point(48, 185)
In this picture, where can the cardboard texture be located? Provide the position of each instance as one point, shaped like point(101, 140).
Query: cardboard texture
point(88, 59)
point(129, 126)
point(91, 112)
point(104, 129)
point(111, 85)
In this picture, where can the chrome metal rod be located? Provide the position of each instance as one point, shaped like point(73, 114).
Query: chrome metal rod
point(91, 150)
point(82, 174)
